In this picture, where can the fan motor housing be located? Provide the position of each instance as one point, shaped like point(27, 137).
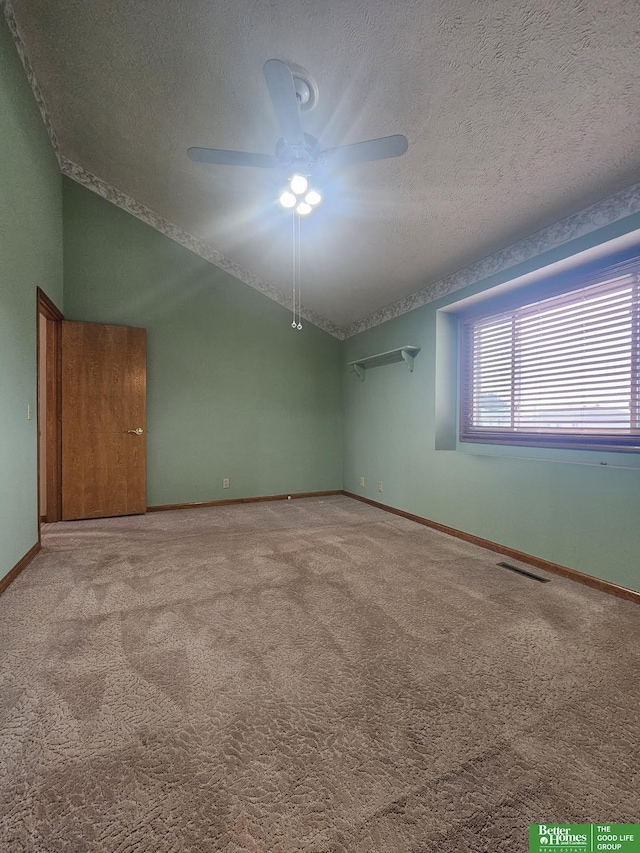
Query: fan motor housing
point(295, 158)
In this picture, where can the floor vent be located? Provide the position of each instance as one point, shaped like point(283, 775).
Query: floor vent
point(524, 572)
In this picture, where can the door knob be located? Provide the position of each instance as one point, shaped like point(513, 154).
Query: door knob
point(137, 431)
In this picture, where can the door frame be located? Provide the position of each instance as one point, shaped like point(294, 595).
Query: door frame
point(52, 426)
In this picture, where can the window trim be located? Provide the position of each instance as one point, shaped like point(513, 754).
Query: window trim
point(556, 286)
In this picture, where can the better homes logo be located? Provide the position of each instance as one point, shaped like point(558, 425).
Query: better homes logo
point(564, 838)
point(584, 837)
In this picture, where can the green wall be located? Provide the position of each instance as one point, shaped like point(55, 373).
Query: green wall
point(30, 257)
point(233, 390)
point(584, 516)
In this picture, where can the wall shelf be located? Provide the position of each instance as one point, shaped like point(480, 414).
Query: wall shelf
point(406, 354)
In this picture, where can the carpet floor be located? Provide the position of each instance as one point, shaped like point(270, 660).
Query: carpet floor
point(314, 675)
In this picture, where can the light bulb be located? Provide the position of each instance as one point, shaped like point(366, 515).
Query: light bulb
point(313, 197)
point(298, 184)
point(287, 199)
point(303, 208)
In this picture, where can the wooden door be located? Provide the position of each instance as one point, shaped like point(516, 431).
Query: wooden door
point(103, 420)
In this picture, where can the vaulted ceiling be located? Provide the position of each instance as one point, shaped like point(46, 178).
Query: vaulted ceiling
point(518, 113)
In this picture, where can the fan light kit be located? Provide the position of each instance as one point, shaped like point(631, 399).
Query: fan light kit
point(297, 153)
point(300, 196)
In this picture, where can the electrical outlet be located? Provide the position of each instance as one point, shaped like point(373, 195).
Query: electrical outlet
point(225, 483)
point(380, 486)
point(362, 481)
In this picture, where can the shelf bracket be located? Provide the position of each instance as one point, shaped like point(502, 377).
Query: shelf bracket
point(408, 357)
point(359, 370)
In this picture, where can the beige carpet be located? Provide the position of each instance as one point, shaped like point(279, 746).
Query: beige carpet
point(308, 676)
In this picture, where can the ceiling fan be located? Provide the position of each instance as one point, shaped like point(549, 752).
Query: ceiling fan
point(297, 151)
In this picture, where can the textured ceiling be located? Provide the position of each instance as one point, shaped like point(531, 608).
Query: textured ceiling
point(517, 114)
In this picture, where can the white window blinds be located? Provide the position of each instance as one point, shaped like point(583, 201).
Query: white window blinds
point(565, 370)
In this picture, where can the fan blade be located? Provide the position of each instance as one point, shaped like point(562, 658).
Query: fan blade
point(285, 101)
point(231, 158)
point(364, 152)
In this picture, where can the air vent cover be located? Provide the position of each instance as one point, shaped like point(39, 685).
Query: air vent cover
point(524, 572)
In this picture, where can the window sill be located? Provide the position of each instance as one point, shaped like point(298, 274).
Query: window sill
point(555, 455)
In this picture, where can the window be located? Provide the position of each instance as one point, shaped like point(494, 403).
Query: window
point(562, 371)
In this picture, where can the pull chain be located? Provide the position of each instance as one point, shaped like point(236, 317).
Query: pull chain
point(299, 253)
point(293, 251)
point(296, 287)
